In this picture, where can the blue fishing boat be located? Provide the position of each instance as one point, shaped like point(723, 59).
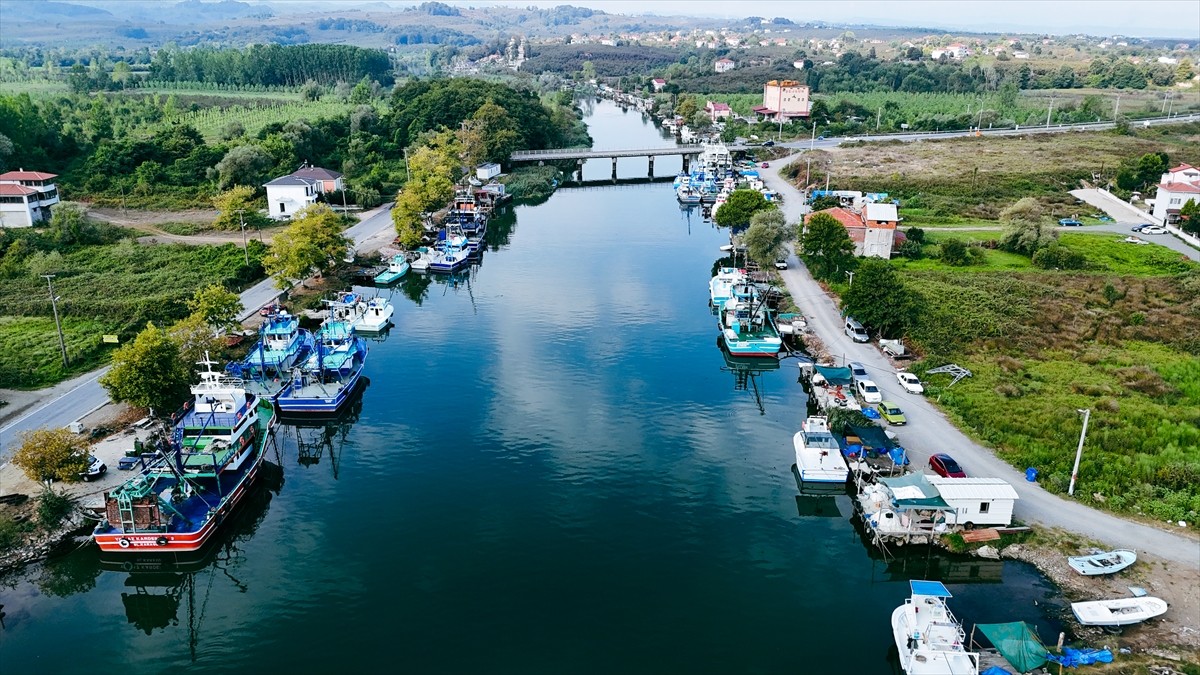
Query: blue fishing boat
point(180, 498)
point(397, 268)
point(281, 343)
point(688, 195)
point(451, 253)
point(746, 323)
point(326, 380)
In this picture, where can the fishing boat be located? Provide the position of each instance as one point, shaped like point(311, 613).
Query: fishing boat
point(180, 498)
point(451, 254)
point(346, 307)
point(1107, 562)
point(327, 379)
point(720, 287)
point(1118, 612)
point(377, 317)
point(818, 458)
point(397, 268)
point(281, 342)
point(930, 640)
point(688, 195)
point(421, 262)
point(746, 323)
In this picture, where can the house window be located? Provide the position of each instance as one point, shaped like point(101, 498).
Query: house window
point(983, 506)
point(282, 208)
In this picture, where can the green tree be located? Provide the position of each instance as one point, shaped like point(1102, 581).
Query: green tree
point(499, 131)
point(765, 237)
point(1057, 257)
point(954, 252)
point(879, 299)
point(196, 339)
point(121, 72)
point(51, 454)
point(826, 247)
point(244, 165)
point(686, 107)
point(313, 243)
point(236, 206)
point(739, 208)
point(915, 234)
point(217, 306)
point(429, 187)
point(70, 226)
point(148, 372)
point(1026, 231)
point(1189, 217)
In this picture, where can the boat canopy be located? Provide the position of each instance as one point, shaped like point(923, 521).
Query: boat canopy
point(871, 436)
point(836, 376)
point(1017, 642)
point(935, 589)
point(913, 492)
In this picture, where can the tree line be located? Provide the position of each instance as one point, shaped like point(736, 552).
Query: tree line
point(272, 64)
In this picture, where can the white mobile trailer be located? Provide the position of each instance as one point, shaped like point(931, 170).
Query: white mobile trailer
point(977, 501)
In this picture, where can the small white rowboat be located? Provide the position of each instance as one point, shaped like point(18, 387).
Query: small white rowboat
point(1102, 563)
point(1119, 612)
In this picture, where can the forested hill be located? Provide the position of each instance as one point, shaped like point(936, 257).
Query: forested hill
point(272, 65)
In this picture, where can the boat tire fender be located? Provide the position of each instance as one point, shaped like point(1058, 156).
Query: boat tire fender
point(162, 541)
point(123, 542)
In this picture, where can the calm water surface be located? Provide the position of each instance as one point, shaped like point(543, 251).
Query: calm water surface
point(552, 470)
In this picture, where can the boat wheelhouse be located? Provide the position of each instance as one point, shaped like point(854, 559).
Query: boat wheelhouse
point(930, 640)
point(720, 287)
point(818, 457)
point(326, 380)
point(398, 266)
point(377, 317)
point(281, 343)
point(746, 324)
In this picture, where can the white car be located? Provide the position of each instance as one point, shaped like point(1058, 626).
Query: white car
point(1154, 229)
point(781, 264)
point(910, 383)
point(857, 371)
point(1134, 240)
point(868, 391)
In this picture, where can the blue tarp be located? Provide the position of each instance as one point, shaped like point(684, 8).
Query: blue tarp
point(1073, 658)
point(899, 456)
point(995, 670)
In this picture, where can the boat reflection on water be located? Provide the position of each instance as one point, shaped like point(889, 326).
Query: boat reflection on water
point(927, 562)
point(320, 436)
point(160, 585)
point(822, 500)
point(747, 372)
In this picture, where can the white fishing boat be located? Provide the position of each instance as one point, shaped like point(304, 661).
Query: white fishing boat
point(421, 264)
point(1106, 562)
point(1118, 612)
point(720, 287)
point(818, 458)
point(930, 640)
point(376, 317)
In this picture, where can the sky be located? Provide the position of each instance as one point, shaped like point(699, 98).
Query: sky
point(1141, 18)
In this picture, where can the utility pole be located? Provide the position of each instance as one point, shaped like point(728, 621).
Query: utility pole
point(1079, 451)
point(58, 324)
point(245, 251)
point(1117, 107)
point(1049, 110)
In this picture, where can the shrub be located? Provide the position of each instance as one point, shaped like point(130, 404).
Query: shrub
point(1055, 257)
point(954, 252)
point(53, 507)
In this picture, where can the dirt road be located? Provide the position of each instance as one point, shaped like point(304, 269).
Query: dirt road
point(929, 431)
point(148, 222)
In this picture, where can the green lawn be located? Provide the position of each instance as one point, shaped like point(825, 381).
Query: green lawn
point(30, 356)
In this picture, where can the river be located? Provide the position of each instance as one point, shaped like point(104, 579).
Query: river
point(552, 470)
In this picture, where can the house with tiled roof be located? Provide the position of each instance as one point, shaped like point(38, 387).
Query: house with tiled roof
point(717, 110)
point(287, 195)
point(328, 180)
point(723, 65)
point(872, 227)
point(1176, 187)
point(658, 83)
point(26, 197)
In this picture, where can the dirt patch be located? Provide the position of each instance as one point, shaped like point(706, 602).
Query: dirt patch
point(135, 217)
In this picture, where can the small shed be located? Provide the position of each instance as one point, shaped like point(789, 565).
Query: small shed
point(487, 171)
point(977, 501)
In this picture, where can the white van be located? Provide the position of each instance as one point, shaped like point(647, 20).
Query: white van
point(856, 331)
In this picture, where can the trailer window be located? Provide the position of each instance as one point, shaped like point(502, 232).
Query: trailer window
point(983, 506)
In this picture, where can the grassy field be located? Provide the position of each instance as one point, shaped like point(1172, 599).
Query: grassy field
point(210, 121)
point(975, 178)
point(126, 280)
point(35, 88)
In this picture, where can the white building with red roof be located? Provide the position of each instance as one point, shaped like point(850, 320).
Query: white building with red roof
point(872, 227)
point(724, 65)
point(717, 110)
point(26, 197)
point(1177, 186)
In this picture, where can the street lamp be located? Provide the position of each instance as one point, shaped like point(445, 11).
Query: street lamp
point(1079, 451)
point(58, 324)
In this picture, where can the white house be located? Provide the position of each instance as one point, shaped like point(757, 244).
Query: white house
point(977, 501)
point(1176, 187)
point(658, 83)
point(723, 65)
point(26, 197)
point(288, 194)
point(487, 171)
point(327, 180)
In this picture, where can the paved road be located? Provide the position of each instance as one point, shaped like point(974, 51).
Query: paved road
point(929, 431)
point(72, 400)
point(1126, 216)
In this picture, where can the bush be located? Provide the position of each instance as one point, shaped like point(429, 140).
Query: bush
point(1055, 257)
point(911, 249)
point(53, 507)
point(954, 252)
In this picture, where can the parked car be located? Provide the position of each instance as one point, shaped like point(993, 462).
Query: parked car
point(764, 165)
point(1138, 228)
point(855, 330)
point(1134, 240)
point(857, 371)
point(268, 310)
point(781, 264)
point(891, 413)
point(945, 466)
point(94, 470)
point(1154, 229)
point(910, 383)
point(868, 391)
point(768, 144)
point(1070, 222)
point(821, 137)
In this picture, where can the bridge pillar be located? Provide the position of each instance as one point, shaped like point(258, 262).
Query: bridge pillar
point(579, 170)
point(614, 173)
point(650, 171)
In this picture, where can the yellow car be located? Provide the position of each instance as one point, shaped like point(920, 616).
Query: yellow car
point(891, 412)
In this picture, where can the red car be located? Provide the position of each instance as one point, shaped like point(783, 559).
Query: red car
point(945, 466)
point(765, 165)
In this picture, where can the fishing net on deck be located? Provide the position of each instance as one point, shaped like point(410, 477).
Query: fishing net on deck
point(1017, 642)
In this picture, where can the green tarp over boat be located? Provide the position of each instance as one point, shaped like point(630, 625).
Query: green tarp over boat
point(871, 437)
point(913, 492)
point(1017, 642)
point(836, 376)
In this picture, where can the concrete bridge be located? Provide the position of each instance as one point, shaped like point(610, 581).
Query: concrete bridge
point(581, 155)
